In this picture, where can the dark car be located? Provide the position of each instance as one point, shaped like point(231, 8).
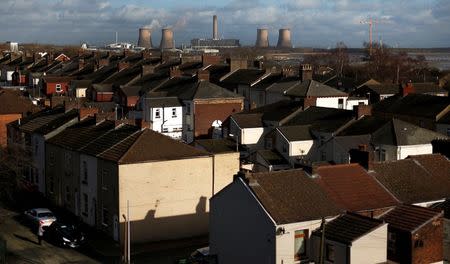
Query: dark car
point(65, 235)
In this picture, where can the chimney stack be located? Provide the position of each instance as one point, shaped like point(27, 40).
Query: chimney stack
point(215, 28)
point(284, 38)
point(408, 88)
point(306, 72)
point(166, 39)
point(262, 38)
point(145, 38)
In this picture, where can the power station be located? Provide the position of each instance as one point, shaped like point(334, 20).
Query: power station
point(262, 38)
point(215, 42)
point(284, 38)
point(145, 38)
point(167, 39)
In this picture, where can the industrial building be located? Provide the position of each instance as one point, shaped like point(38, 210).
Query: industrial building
point(215, 42)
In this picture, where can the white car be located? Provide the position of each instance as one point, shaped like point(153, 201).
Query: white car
point(40, 217)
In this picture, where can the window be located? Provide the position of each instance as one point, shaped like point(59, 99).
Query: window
point(157, 113)
point(392, 240)
point(174, 112)
point(85, 204)
point(418, 243)
point(340, 103)
point(104, 176)
point(300, 238)
point(105, 217)
point(188, 109)
point(329, 253)
point(382, 155)
point(85, 173)
point(58, 88)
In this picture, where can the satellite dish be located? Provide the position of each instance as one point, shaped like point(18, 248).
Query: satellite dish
point(217, 124)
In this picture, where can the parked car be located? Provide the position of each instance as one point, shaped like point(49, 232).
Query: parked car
point(64, 235)
point(200, 256)
point(40, 217)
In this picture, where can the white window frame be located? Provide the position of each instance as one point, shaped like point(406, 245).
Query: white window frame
point(174, 112)
point(58, 88)
point(157, 113)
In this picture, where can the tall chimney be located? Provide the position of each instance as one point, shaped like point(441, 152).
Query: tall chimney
point(284, 38)
point(145, 38)
point(262, 38)
point(215, 28)
point(166, 39)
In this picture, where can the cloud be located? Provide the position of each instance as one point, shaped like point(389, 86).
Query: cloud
point(318, 23)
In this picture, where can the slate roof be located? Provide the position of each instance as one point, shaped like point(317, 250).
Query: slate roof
point(162, 101)
point(410, 218)
point(12, 102)
point(415, 180)
point(149, 145)
point(272, 157)
point(248, 120)
point(445, 119)
point(279, 193)
point(322, 118)
point(420, 105)
point(363, 126)
point(130, 90)
point(315, 89)
point(75, 138)
point(46, 120)
point(349, 227)
point(383, 89)
point(243, 76)
point(124, 76)
point(102, 88)
point(352, 188)
point(109, 139)
point(428, 88)
point(282, 86)
point(296, 133)
point(53, 79)
point(217, 146)
point(58, 122)
point(401, 133)
point(278, 111)
point(102, 73)
point(267, 81)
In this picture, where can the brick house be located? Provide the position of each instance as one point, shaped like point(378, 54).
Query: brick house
point(415, 234)
point(13, 107)
point(55, 84)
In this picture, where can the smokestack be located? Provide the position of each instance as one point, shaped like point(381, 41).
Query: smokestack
point(145, 38)
point(262, 38)
point(167, 39)
point(215, 28)
point(284, 38)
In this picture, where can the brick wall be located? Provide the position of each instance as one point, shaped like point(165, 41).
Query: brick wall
point(4, 120)
point(206, 113)
point(432, 237)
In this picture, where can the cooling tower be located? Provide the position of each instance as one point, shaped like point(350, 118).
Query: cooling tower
point(145, 38)
point(167, 39)
point(284, 38)
point(215, 28)
point(262, 38)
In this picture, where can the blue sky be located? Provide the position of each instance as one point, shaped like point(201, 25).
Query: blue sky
point(313, 23)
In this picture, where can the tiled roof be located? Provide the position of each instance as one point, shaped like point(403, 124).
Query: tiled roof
point(428, 88)
point(296, 133)
point(35, 121)
point(251, 120)
point(322, 118)
point(401, 133)
point(162, 101)
point(313, 88)
point(109, 139)
point(102, 73)
point(217, 146)
point(363, 126)
point(282, 86)
point(420, 105)
point(410, 218)
point(352, 188)
point(11, 102)
point(70, 116)
point(278, 111)
point(131, 90)
point(272, 157)
point(124, 76)
point(349, 227)
point(75, 138)
point(415, 181)
point(243, 76)
point(150, 146)
point(291, 196)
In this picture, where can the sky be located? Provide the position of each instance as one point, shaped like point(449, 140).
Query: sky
point(313, 23)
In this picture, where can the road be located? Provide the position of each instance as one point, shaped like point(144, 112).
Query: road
point(23, 246)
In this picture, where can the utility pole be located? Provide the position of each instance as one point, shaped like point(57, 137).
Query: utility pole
point(322, 241)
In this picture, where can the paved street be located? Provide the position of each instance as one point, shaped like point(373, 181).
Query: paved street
point(23, 246)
